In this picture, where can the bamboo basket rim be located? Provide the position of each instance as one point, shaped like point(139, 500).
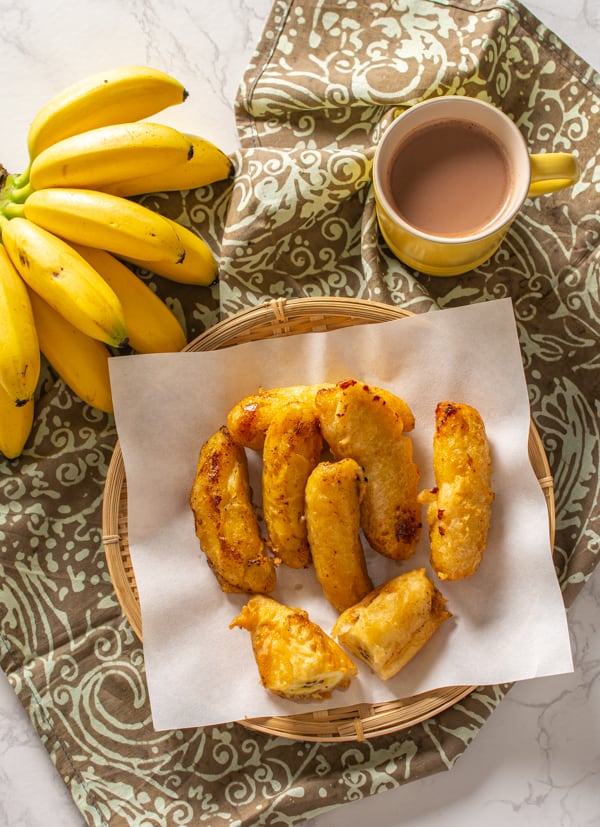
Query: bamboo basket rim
point(274, 318)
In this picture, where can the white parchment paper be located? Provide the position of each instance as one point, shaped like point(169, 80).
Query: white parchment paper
point(509, 620)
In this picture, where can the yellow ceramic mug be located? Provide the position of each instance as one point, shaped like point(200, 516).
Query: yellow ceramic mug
point(450, 175)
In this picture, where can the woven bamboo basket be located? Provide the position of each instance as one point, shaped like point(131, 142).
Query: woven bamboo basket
point(281, 317)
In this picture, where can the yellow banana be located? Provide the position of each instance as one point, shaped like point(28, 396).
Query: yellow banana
point(207, 165)
point(119, 95)
point(152, 327)
point(65, 280)
point(97, 157)
point(97, 219)
point(199, 265)
point(80, 361)
point(15, 425)
point(19, 347)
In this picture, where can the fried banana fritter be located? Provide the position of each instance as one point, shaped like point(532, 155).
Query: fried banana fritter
point(393, 622)
point(249, 419)
point(292, 449)
point(334, 492)
point(368, 425)
point(459, 507)
point(225, 521)
point(294, 656)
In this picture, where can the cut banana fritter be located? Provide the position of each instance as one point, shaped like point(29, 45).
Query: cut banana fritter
point(291, 450)
point(249, 419)
point(294, 656)
point(334, 492)
point(368, 424)
point(459, 506)
point(393, 622)
point(225, 520)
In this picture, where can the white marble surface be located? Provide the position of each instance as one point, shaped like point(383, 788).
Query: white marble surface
point(537, 760)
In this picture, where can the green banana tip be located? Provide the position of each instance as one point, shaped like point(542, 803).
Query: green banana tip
point(8, 210)
point(22, 180)
point(15, 191)
point(20, 194)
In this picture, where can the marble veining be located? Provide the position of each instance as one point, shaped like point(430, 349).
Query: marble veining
point(537, 760)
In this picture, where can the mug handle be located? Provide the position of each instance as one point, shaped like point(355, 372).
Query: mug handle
point(551, 171)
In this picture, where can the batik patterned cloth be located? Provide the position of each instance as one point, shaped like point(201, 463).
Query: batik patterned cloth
point(298, 220)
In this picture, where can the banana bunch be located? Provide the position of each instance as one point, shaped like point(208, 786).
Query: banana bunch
point(69, 231)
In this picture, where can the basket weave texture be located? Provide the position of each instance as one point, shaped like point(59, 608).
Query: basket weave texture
point(280, 317)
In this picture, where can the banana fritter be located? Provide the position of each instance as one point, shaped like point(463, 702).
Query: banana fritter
point(291, 450)
point(393, 622)
point(459, 507)
point(294, 656)
point(368, 424)
point(333, 495)
point(249, 419)
point(225, 521)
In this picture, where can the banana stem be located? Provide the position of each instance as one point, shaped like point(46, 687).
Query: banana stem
point(22, 179)
point(11, 210)
point(15, 190)
point(20, 194)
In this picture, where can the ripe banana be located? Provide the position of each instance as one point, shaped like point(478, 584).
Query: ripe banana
point(19, 347)
point(94, 158)
point(120, 95)
point(199, 265)
point(66, 281)
point(152, 327)
point(97, 219)
point(80, 361)
point(207, 165)
point(15, 425)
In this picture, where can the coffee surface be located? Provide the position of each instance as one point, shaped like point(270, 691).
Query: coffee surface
point(449, 178)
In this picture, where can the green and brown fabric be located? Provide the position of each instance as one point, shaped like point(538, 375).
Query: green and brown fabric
point(298, 220)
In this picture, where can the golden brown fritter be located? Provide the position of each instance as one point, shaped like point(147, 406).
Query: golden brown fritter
point(225, 521)
point(249, 419)
point(459, 507)
point(334, 492)
point(393, 622)
point(292, 449)
point(294, 656)
point(368, 425)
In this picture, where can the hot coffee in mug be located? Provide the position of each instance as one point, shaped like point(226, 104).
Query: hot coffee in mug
point(450, 175)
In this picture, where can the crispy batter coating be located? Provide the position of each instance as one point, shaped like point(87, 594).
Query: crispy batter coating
point(292, 449)
point(225, 521)
point(459, 507)
point(334, 492)
point(249, 419)
point(393, 622)
point(294, 656)
point(368, 425)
